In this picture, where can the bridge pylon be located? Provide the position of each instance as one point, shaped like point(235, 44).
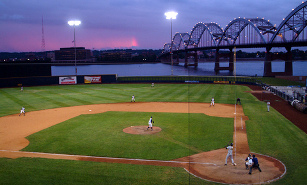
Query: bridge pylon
point(224, 55)
point(195, 58)
point(176, 58)
point(269, 57)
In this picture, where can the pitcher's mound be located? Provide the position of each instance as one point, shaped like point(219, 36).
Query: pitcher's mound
point(141, 130)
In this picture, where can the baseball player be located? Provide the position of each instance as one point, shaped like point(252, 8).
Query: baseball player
point(229, 154)
point(238, 101)
point(22, 111)
point(152, 84)
point(248, 161)
point(268, 105)
point(212, 102)
point(150, 122)
point(133, 98)
point(21, 89)
point(254, 165)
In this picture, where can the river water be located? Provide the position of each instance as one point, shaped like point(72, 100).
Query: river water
point(242, 68)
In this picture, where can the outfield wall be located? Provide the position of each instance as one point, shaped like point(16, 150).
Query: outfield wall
point(112, 78)
point(49, 80)
point(188, 79)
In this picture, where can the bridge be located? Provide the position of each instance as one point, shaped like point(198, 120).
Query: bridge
point(241, 33)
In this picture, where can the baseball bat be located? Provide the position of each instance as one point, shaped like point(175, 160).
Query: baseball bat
point(228, 144)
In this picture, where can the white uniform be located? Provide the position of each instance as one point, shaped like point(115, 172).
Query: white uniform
point(268, 105)
point(249, 161)
point(150, 122)
point(229, 154)
point(212, 101)
point(133, 98)
point(22, 110)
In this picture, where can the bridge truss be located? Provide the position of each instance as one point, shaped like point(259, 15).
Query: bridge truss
point(244, 33)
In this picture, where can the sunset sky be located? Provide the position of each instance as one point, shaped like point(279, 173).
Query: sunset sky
point(109, 24)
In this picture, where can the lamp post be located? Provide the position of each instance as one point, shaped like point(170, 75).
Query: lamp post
point(171, 16)
point(74, 24)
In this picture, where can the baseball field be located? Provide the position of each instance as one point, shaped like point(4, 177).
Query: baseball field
point(93, 134)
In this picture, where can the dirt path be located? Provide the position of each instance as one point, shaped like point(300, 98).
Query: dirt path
point(207, 165)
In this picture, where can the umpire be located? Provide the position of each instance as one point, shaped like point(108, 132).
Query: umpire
point(255, 165)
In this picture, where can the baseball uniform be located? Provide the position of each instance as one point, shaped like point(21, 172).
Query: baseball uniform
point(22, 111)
point(229, 154)
point(255, 165)
point(249, 161)
point(212, 102)
point(150, 123)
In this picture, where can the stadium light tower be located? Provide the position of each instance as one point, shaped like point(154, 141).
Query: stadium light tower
point(74, 24)
point(171, 16)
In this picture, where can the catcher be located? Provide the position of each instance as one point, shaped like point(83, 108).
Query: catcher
point(248, 161)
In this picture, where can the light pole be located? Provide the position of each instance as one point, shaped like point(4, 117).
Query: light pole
point(74, 24)
point(171, 16)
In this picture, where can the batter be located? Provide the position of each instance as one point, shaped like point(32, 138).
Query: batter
point(229, 154)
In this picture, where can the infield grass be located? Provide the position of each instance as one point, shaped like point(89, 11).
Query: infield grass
point(268, 133)
point(102, 135)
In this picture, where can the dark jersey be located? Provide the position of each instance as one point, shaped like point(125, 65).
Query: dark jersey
point(255, 161)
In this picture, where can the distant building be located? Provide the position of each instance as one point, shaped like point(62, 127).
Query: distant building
point(67, 55)
point(116, 55)
point(51, 56)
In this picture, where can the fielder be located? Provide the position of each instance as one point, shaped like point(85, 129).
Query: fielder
point(22, 111)
point(229, 154)
point(238, 101)
point(212, 102)
point(150, 122)
point(268, 105)
point(133, 98)
point(152, 84)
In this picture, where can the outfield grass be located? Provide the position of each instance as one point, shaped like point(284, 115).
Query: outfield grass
point(46, 97)
point(280, 82)
point(268, 133)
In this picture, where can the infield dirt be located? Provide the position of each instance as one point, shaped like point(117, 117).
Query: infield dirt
point(206, 165)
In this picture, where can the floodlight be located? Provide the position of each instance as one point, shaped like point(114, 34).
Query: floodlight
point(74, 23)
point(171, 15)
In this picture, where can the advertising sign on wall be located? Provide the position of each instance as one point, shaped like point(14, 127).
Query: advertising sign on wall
point(92, 79)
point(67, 80)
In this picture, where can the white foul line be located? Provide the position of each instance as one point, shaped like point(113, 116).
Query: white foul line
point(97, 157)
